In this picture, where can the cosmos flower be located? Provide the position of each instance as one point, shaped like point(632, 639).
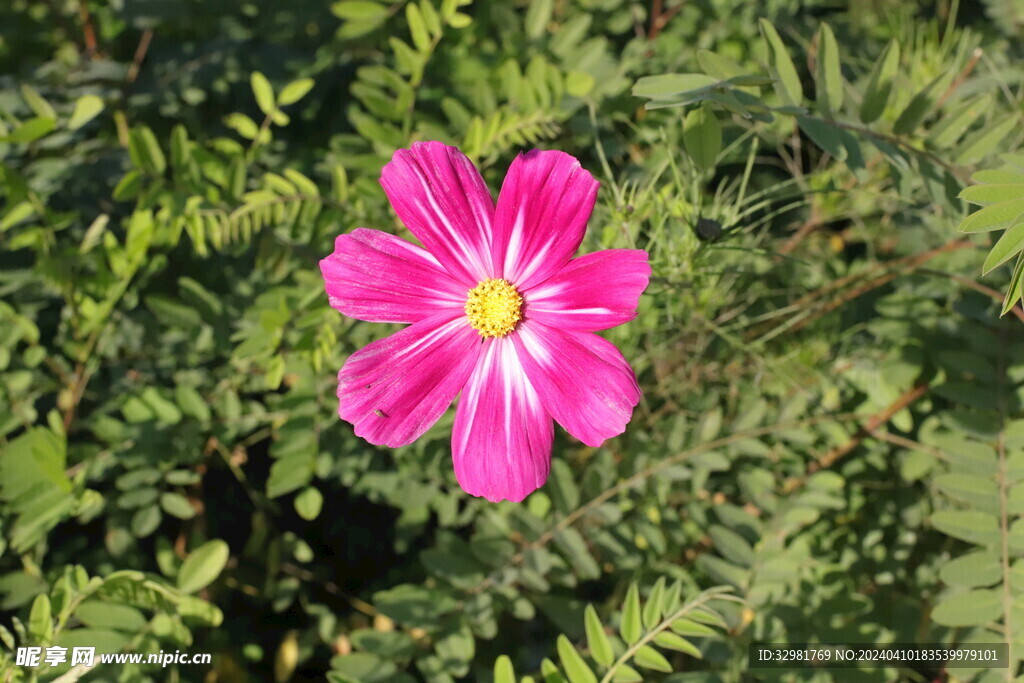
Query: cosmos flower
point(497, 308)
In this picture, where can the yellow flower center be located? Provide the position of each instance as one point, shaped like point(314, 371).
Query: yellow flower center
point(493, 308)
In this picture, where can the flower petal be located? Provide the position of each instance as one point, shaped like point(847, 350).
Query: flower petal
point(501, 444)
point(380, 278)
point(441, 198)
point(542, 213)
point(394, 389)
point(582, 380)
point(592, 292)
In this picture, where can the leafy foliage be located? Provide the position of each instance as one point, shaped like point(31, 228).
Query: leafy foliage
point(828, 446)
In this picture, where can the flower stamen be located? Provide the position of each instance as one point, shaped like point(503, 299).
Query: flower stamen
point(493, 307)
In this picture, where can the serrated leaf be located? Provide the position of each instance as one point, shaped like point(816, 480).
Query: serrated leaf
point(702, 137)
point(649, 658)
point(631, 627)
point(879, 87)
point(828, 78)
point(1008, 246)
point(87, 107)
point(263, 92)
point(203, 566)
point(973, 608)
point(575, 668)
point(787, 81)
point(671, 641)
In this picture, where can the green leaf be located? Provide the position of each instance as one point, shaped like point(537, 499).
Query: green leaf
point(787, 82)
point(295, 91)
point(1008, 246)
point(177, 505)
point(106, 615)
point(829, 78)
point(968, 525)
point(40, 620)
point(503, 670)
point(87, 107)
point(671, 641)
point(631, 627)
point(950, 127)
point(202, 566)
point(825, 135)
point(702, 137)
point(578, 83)
point(979, 568)
point(733, 547)
point(418, 29)
point(995, 217)
point(984, 195)
point(31, 130)
point(263, 91)
point(37, 103)
point(671, 84)
point(360, 10)
point(920, 105)
point(597, 640)
point(308, 503)
point(17, 213)
point(879, 87)
point(627, 674)
point(973, 608)
point(651, 613)
point(538, 16)
point(649, 658)
point(976, 491)
point(1016, 288)
point(243, 125)
point(145, 151)
point(981, 143)
point(576, 669)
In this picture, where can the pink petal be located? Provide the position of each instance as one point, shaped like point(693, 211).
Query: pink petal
point(394, 389)
point(541, 216)
point(501, 444)
point(582, 380)
point(441, 198)
point(592, 292)
point(378, 277)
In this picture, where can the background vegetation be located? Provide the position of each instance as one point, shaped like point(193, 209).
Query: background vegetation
point(832, 435)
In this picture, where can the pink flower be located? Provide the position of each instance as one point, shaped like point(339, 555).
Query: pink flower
point(497, 308)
